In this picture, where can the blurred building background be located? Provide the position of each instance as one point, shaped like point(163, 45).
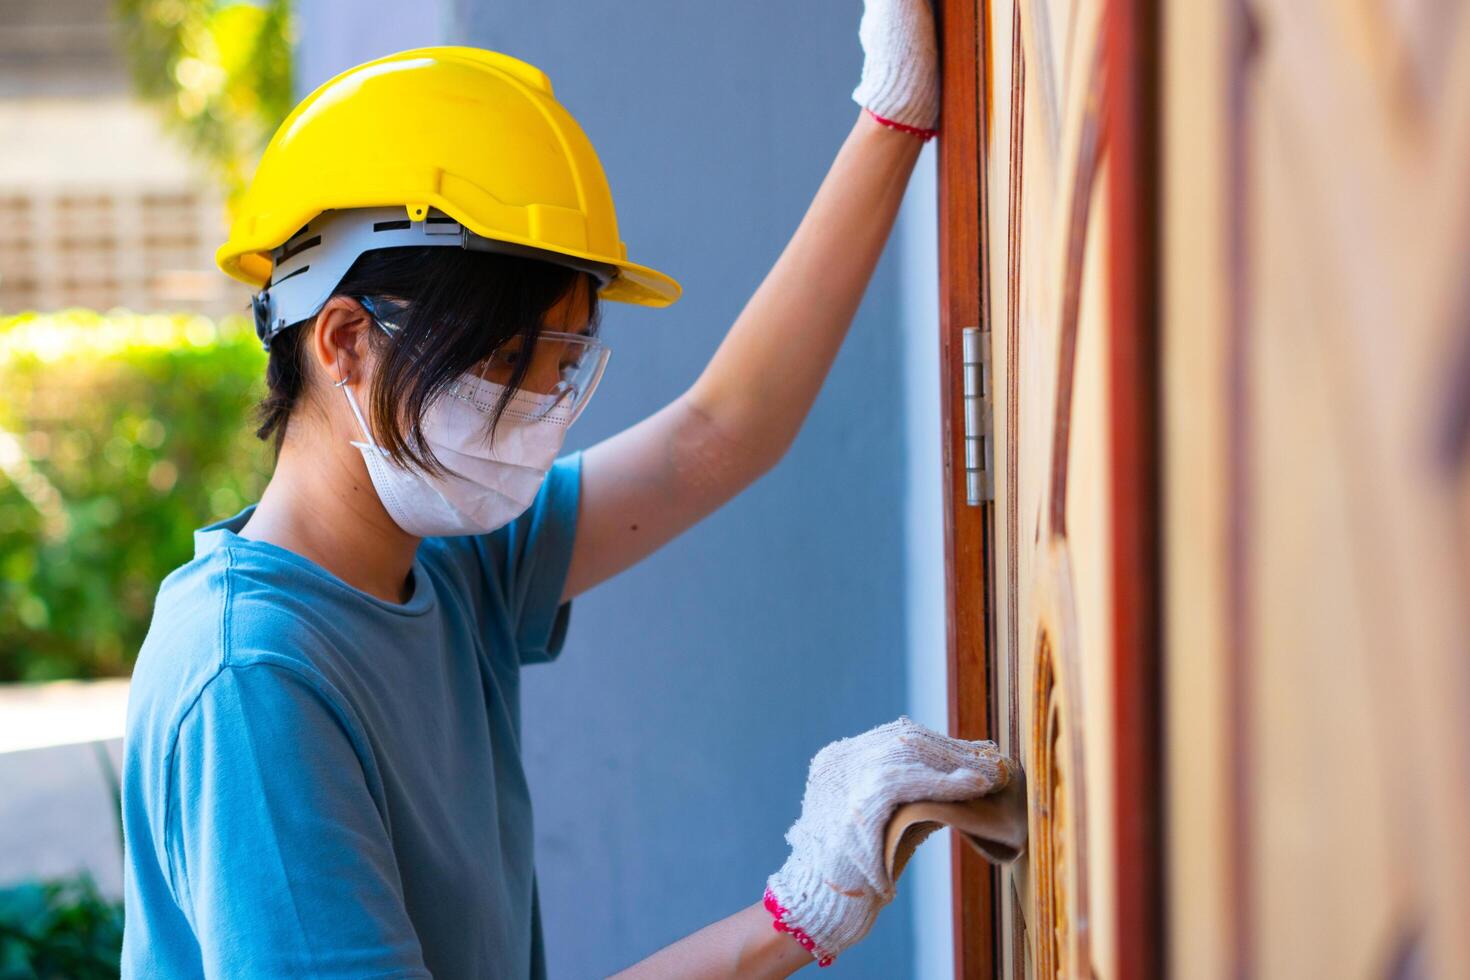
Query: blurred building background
point(667, 749)
point(98, 206)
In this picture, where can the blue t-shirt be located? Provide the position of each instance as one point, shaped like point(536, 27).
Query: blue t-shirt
point(320, 783)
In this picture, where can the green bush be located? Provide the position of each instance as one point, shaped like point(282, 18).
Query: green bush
point(219, 70)
point(60, 930)
point(119, 435)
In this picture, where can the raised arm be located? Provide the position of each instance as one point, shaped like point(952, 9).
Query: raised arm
point(648, 483)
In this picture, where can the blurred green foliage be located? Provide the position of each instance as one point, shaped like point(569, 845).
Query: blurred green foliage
point(219, 69)
point(119, 435)
point(60, 930)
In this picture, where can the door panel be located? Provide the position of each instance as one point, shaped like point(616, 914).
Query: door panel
point(1050, 333)
point(1317, 239)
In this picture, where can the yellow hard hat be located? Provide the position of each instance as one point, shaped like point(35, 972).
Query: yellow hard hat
point(474, 134)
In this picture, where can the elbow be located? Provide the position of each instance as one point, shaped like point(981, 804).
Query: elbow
point(723, 452)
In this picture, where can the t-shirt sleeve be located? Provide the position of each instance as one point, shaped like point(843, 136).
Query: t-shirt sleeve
point(533, 555)
point(279, 855)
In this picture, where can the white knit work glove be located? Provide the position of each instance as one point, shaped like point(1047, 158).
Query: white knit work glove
point(833, 885)
point(900, 65)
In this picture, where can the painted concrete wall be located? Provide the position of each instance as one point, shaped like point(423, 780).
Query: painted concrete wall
point(667, 749)
point(916, 245)
point(57, 817)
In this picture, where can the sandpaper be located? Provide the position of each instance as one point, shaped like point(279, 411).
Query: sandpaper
point(994, 825)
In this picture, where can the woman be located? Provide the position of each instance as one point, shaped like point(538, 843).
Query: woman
point(322, 774)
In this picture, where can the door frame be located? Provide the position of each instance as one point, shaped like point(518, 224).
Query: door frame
point(968, 534)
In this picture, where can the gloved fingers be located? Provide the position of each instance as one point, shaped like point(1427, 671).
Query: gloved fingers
point(947, 754)
point(902, 741)
point(987, 776)
point(871, 794)
point(916, 743)
point(837, 755)
point(900, 762)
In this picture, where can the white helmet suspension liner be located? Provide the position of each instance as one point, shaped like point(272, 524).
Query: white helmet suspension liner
point(313, 261)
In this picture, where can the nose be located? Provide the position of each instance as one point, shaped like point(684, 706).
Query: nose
point(544, 375)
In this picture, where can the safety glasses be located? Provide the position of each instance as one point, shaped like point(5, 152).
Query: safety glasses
point(562, 373)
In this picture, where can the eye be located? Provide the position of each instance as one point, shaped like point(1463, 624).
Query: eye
point(509, 356)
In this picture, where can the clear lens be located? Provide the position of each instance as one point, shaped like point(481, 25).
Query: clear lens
point(563, 372)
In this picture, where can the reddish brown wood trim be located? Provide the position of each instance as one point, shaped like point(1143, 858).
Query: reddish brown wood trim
point(967, 542)
point(1131, 122)
point(1088, 154)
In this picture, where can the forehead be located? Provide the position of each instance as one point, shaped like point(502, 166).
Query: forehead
point(573, 312)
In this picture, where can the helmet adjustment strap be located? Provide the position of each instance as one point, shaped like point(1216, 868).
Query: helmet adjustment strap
point(311, 263)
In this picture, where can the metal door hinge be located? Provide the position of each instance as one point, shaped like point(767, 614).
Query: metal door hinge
point(979, 431)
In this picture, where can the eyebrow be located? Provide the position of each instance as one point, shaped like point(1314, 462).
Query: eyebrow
point(588, 329)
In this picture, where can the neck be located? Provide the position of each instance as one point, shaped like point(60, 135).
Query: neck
point(320, 504)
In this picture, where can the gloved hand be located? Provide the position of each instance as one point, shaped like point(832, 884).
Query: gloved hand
point(833, 885)
point(900, 84)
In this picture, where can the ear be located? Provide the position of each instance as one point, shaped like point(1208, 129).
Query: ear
point(340, 342)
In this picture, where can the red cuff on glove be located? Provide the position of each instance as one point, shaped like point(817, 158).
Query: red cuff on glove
point(778, 915)
point(924, 134)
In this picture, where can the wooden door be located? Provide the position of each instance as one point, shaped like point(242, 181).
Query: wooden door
point(1052, 569)
point(1218, 254)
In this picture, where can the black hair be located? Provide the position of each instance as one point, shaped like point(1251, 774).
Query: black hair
point(463, 307)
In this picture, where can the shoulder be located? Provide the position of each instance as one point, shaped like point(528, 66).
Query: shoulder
point(215, 616)
point(186, 640)
point(222, 609)
point(200, 671)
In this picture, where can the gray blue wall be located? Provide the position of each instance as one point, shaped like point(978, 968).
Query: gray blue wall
point(667, 749)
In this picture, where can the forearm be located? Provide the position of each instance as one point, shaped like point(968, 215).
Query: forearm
point(763, 379)
point(742, 946)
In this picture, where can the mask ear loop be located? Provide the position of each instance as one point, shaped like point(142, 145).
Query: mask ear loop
point(357, 413)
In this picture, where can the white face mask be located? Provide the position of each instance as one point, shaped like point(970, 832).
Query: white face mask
point(489, 482)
